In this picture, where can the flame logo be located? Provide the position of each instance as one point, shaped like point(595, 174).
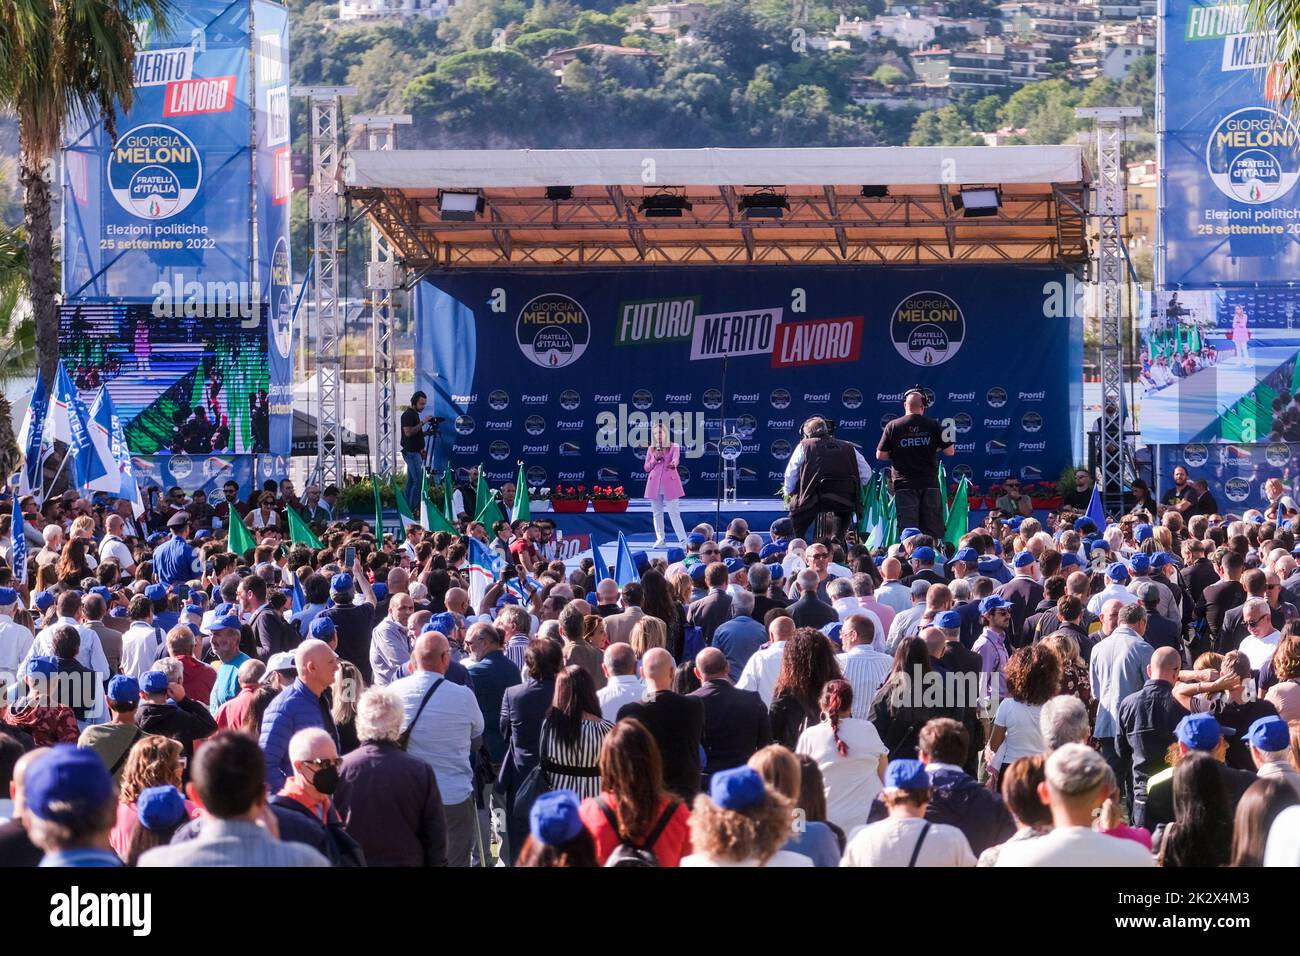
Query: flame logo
point(154, 208)
point(554, 359)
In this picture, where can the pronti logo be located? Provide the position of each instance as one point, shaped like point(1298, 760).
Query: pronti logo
point(1253, 155)
point(154, 171)
point(464, 425)
point(1217, 20)
point(1031, 421)
point(499, 450)
point(281, 299)
point(215, 94)
point(498, 400)
point(534, 425)
point(1278, 455)
point(652, 321)
point(780, 398)
point(162, 67)
point(817, 342)
point(553, 330)
point(927, 328)
point(1194, 456)
point(534, 401)
point(1237, 489)
point(77, 909)
point(732, 334)
point(851, 398)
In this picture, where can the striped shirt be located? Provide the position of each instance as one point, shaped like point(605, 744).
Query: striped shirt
point(865, 670)
point(515, 648)
point(581, 757)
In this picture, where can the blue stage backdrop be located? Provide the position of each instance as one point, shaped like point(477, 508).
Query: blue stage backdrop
point(1231, 210)
point(176, 269)
point(564, 369)
point(1235, 473)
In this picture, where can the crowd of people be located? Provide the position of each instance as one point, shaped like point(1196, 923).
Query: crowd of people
point(1036, 695)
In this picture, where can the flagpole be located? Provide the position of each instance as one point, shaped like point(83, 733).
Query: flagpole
point(55, 480)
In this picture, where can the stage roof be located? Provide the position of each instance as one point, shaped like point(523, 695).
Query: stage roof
point(918, 219)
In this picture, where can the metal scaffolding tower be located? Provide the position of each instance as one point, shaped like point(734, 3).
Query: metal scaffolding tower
point(383, 278)
point(1109, 202)
point(327, 212)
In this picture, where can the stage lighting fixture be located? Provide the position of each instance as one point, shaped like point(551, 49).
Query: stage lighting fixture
point(459, 207)
point(976, 201)
point(663, 206)
point(875, 192)
point(764, 205)
point(554, 193)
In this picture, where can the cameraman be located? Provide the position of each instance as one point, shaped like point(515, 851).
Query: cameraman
point(911, 444)
point(824, 474)
point(413, 447)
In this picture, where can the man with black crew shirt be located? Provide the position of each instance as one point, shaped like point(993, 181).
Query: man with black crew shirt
point(911, 445)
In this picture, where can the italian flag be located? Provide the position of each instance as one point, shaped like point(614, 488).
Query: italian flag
point(482, 568)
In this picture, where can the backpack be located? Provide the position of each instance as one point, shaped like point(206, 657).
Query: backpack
point(630, 854)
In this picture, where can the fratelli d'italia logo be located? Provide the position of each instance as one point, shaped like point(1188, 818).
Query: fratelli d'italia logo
point(927, 328)
point(154, 171)
point(553, 330)
point(1253, 155)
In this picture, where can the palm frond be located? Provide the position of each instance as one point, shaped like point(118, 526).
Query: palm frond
point(1283, 18)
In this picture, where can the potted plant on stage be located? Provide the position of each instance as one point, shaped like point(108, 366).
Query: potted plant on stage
point(1046, 496)
point(608, 498)
point(569, 499)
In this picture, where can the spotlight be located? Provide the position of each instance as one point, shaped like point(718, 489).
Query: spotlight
point(764, 205)
point(977, 201)
point(875, 192)
point(663, 206)
point(459, 207)
point(554, 193)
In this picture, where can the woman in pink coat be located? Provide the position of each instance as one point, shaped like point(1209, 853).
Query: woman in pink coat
point(663, 485)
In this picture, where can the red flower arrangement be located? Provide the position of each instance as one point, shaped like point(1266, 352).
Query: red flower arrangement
point(608, 498)
point(569, 499)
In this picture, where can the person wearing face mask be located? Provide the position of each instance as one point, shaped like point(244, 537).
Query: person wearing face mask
point(304, 807)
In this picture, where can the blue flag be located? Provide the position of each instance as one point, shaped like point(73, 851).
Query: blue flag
point(18, 546)
point(31, 438)
point(299, 599)
point(625, 570)
point(1095, 511)
point(67, 401)
point(601, 571)
point(1281, 514)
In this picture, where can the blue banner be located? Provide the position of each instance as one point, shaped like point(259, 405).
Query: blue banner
point(1230, 210)
point(1235, 474)
point(566, 370)
point(274, 187)
point(208, 472)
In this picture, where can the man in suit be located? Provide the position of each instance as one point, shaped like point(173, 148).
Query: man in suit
point(619, 626)
point(676, 722)
point(1160, 632)
point(736, 724)
point(523, 708)
point(760, 581)
point(809, 610)
point(714, 609)
point(1199, 573)
point(1024, 593)
point(1219, 598)
point(923, 567)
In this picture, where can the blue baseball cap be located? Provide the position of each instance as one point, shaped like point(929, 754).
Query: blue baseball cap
point(697, 572)
point(966, 554)
point(156, 592)
point(380, 589)
point(124, 689)
point(202, 534)
point(695, 539)
point(156, 538)
point(833, 631)
point(1200, 732)
point(997, 547)
point(553, 818)
point(737, 789)
point(909, 533)
point(778, 571)
point(1140, 563)
point(1085, 524)
point(444, 622)
point(924, 555)
point(1014, 522)
point(43, 600)
point(994, 602)
point(948, 620)
point(342, 582)
point(42, 666)
point(1116, 571)
point(321, 628)
point(160, 808)
point(1162, 559)
point(67, 784)
point(1142, 532)
point(102, 591)
point(193, 609)
point(153, 682)
point(1024, 559)
point(224, 622)
point(1071, 560)
point(906, 775)
point(8, 596)
point(1269, 734)
point(771, 549)
point(674, 555)
point(734, 565)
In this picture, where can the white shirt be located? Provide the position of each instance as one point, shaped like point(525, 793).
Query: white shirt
point(865, 669)
point(139, 649)
point(851, 782)
point(892, 842)
point(762, 670)
point(1024, 735)
point(847, 607)
point(442, 736)
point(779, 858)
point(15, 644)
point(796, 462)
point(1075, 846)
point(1115, 591)
point(894, 594)
point(1283, 846)
point(114, 549)
point(621, 689)
point(92, 651)
point(255, 519)
point(1259, 649)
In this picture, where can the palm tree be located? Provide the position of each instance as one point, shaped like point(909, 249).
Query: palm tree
point(17, 337)
point(62, 60)
point(1284, 17)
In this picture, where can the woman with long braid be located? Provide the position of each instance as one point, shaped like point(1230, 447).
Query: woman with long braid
point(850, 754)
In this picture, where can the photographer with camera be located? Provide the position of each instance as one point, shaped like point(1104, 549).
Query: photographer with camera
point(911, 444)
point(413, 429)
point(824, 474)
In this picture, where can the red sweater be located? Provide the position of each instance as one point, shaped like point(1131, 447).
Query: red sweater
point(673, 844)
